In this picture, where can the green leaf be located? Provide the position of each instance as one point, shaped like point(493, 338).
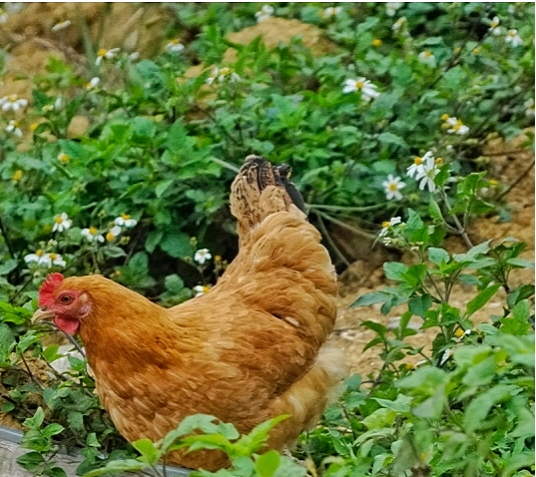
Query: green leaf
point(127, 465)
point(36, 420)
point(370, 299)
point(520, 262)
point(30, 460)
point(142, 128)
point(176, 244)
point(474, 252)
point(52, 430)
point(382, 417)
point(7, 342)
point(253, 441)
point(395, 270)
point(401, 404)
point(481, 299)
point(419, 305)
point(174, 283)
point(152, 240)
point(14, 314)
point(162, 187)
point(388, 138)
point(479, 408)
point(438, 255)
point(149, 452)
point(267, 464)
point(435, 211)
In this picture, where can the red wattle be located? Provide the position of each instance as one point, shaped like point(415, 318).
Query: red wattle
point(68, 325)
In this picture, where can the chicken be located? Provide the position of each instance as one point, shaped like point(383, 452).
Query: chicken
point(250, 349)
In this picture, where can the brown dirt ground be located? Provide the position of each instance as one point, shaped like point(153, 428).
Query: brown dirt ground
point(139, 27)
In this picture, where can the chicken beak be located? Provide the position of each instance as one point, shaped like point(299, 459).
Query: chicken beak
point(42, 314)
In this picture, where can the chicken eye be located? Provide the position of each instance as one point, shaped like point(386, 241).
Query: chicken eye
point(66, 299)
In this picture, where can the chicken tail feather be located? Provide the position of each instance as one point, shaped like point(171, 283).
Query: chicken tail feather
point(261, 189)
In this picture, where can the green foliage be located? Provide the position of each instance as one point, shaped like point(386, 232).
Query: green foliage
point(244, 452)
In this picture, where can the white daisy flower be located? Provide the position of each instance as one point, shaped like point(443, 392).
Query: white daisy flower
point(202, 255)
point(61, 222)
point(13, 103)
point(331, 12)
point(392, 7)
point(367, 89)
point(392, 187)
point(388, 224)
point(63, 158)
point(38, 257)
point(61, 26)
point(397, 26)
point(125, 220)
point(265, 12)
point(456, 126)
point(56, 259)
point(494, 27)
point(222, 74)
point(417, 167)
point(201, 290)
point(513, 38)
point(134, 56)
point(426, 174)
point(174, 46)
point(91, 234)
point(13, 128)
point(113, 233)
point(93, 83)
point(427, 57)
point(104, 53)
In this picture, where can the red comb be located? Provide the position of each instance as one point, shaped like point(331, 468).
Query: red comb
point(52, 281)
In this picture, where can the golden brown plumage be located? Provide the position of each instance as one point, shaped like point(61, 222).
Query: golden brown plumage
point(248, 350)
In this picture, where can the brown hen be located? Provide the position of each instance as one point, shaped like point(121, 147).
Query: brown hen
point(250, 349)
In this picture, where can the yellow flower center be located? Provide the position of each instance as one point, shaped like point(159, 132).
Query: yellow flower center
point(217, 258)
point(206, 288)
point(34, 126)
point(476, 51)
point(125, 216)
point(225, 71)
point(110, 237)
point(427, 53)
point(459, 333)
point(93, 230)
point(393, 186)
point(102, 52)
point(13, 97)
point(17, 176)
point(64, 158)
point(439, 161)
point(39, 253)
point(386, 224)
point(444, 117)
point(53, 256)
point(58, 219)
point(359, 84)
point(417, 161)
point(377, 42)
